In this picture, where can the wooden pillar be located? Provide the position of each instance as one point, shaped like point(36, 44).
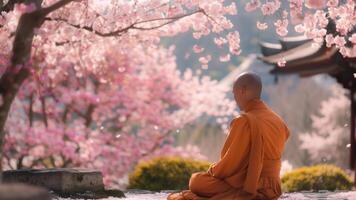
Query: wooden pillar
point(353, 130)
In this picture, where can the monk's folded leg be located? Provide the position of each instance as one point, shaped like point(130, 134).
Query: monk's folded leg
point(234, 194)
point(205, 185)
point(185, 195)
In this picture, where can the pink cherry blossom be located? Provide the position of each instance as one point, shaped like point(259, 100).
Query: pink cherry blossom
point(299, 28)
point(252, 5)
point(220, 41)
point(25, 8)
point(339, 41)
point(329, 39)
point(127, 122)
point(332, 3)
point(317, 4)
point(205, 61)
point(270, 7)
point(225, 58)
point(102, 92)
point(281, 27)
point(353, 38)
point(311, 17)
point(197, 49)
point(233, 39)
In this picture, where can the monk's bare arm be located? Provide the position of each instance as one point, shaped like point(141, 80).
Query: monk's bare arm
point(236, 151)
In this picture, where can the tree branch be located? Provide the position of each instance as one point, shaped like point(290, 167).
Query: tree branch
point(118, 32)
point(44, 112)
point(55, 6)
point(91, 29)
point(30, 110)
point(10, 5)
point(8, 160)
point(19, 163)
point(65, 113)
point(91, 107)
point(88, 115)
point(156, 145)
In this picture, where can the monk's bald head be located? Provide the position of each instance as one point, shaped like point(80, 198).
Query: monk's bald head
point(247, 86)
point(251, 82)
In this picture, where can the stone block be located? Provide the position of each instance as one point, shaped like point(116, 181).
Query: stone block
point(16, 191)
point(61, 181)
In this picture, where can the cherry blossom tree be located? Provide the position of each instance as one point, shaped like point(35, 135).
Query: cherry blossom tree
point(45, 47)
point(108, 119)
point(328, 141)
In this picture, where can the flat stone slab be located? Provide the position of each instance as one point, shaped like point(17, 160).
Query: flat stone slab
point(340, 195)
point(59, 180)
point(23, 192)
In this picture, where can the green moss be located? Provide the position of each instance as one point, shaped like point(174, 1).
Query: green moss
point(319, 177)
point(165, 173)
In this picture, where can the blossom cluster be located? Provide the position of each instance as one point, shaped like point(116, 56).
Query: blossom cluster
point(315, 19)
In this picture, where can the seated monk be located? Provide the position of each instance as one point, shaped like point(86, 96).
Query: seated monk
point(250, 160)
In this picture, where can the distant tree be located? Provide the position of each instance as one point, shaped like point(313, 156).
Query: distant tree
point(85, 83)
point(296, 101)
point(110, 119)
point(328, 141)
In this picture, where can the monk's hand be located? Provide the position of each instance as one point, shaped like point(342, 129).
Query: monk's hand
point(210, 171)
point(243, 193)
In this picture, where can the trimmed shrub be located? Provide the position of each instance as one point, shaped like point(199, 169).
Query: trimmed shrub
point(165, 173)
point(319, 177)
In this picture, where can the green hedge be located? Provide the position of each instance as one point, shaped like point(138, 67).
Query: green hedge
point(165, 173)
point(319, 177)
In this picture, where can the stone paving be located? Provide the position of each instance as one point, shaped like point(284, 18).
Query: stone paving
point(76, 183)
point(324, 195)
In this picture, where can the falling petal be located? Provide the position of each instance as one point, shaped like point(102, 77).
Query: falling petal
point(225, 58)
point(282, 63)
point(262, 26)
point(197, 49)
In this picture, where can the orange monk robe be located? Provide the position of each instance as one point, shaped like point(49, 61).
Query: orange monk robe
point(250, 160)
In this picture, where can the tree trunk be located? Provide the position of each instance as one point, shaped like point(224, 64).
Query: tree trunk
point(353, 131)
point(17, 72)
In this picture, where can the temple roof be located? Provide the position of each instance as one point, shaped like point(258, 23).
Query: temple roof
point(303, 51)
point(292, 42)
point(270, 48)
point(305, 57)
point(322, 62)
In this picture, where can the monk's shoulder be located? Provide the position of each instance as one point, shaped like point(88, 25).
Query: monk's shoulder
point(282, 125)
point(239, 121)
point(238, 128)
